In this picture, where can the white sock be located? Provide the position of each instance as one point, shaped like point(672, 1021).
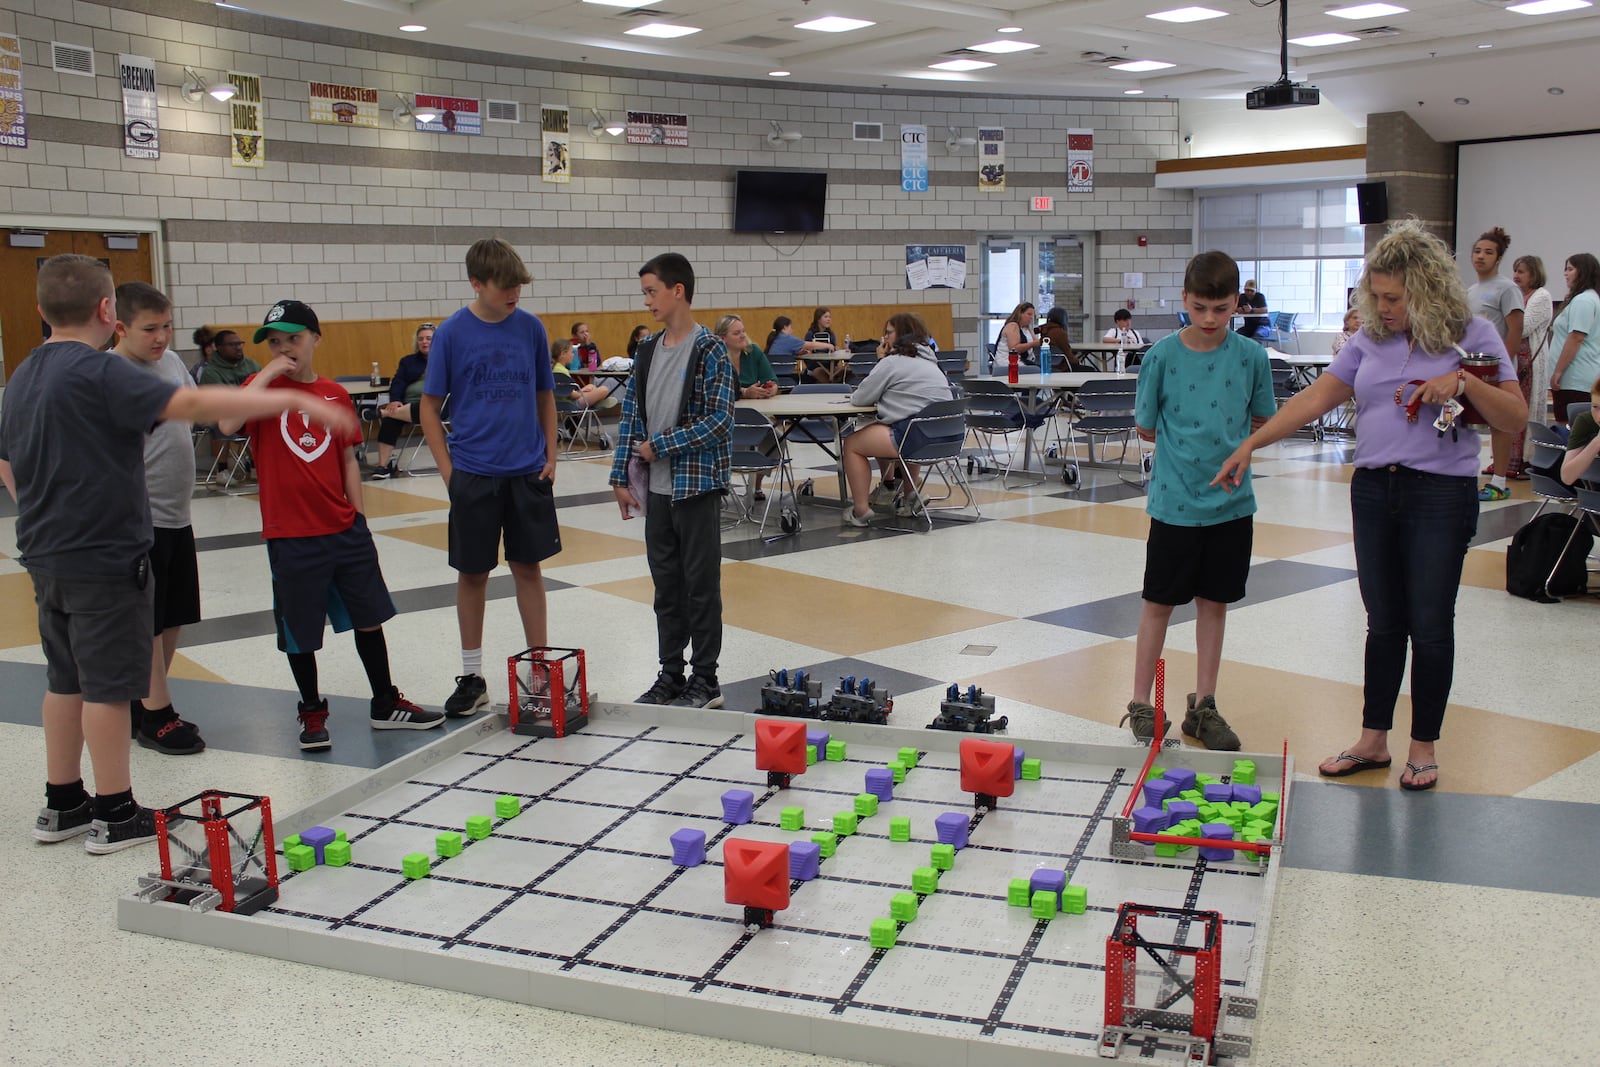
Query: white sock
point(1498, 481)
point(472, 661)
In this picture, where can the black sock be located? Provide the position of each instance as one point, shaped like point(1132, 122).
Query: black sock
point(374, 653)
point(303, 665)
point(115, 807)
point(65, 797)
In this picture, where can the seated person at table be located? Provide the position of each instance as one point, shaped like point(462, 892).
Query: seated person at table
point(405, 401)
point(1054, 330)
point(1253, 306)
point(1122, 331)
point(229, 365)
point(820, 340)
point(1016, 335)
point(585, 353)
point(757, 381)
point(1352, 326)
point(782, 343)
point(205, 340)
point(906, 380)
point(1583, 443)
point(907, 325)
point(595, 395)
point(639, 333)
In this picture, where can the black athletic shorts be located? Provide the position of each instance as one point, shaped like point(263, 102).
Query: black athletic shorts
point(1210, 562)
point(330, 577)
point(175, 573)
point(96, 636)
point(482, 508)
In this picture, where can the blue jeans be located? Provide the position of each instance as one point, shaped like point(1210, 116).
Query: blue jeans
point(1412, 530)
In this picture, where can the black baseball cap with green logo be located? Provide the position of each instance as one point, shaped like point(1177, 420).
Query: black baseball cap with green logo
point(288, 316)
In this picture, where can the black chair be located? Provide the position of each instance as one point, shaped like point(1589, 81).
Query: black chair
point(993, 408)
point(940, 435)
point(783, 373)
point(1103, 409)
point(954, 364)
point(817, 430)
point(757, 449)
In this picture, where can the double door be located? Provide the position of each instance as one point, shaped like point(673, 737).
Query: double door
point(1047, 270)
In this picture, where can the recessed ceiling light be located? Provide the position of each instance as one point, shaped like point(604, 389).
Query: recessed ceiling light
point(833, 24)
point(960, 64)
point(1009, 29)
point(1000, 48)
point(1555, 90)
point(1139, 65)
point(777, 74)
point(412, 27)
point(1548, 7)
point(620, 3)
point(1187, 14)
point(1462, 100)
point(1322, 40)
point(663, 30)
point(1367, 11)
point(1133, 92)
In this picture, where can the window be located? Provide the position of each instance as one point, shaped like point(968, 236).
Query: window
point(1302, 245)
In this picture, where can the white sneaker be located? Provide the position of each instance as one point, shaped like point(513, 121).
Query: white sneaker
point(858, 521)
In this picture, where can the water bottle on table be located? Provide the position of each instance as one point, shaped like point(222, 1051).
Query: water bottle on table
point(377, 375)
point(1044, 357)
point(1122, 360)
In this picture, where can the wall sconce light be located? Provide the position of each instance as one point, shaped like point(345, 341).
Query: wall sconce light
point(405, 114)
point(601, 124)
point(780, 136)
point(195, 87)
point(955, 140)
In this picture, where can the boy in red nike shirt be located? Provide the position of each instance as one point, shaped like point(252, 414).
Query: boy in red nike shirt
point(324, 563)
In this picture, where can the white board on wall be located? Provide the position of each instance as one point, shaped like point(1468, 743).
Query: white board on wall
point(1541, 191)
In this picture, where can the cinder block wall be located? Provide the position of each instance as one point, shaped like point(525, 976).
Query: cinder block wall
point(374, 223)
point(1419, 171)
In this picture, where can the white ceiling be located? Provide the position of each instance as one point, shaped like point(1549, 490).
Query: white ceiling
point(1436, 57)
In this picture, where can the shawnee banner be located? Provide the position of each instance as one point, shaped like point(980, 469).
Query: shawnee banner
point(555, 164)
point(344, 105)
point(141, 132)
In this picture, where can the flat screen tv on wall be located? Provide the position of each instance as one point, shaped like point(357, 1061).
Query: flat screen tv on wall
point(778, 201)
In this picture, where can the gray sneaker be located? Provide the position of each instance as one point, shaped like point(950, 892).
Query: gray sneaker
point(861, 522)
point(108, 837)
point(699, 693)
point(1205, 724)
point(883, 496)
point(1141, 719)
point(52, 825)
point(906, 507)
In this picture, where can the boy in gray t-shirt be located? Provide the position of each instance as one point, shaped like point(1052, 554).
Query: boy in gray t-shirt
point(144, 330)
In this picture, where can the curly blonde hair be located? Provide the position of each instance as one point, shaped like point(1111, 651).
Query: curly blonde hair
point(1437, 308)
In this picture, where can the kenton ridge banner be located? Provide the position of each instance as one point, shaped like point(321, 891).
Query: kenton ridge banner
point(913, 159)
point(991, 159)
point(555, 135)
point(1080, 161)
point(344, 105)
point(141, 132)
point(13, 104)
point(249, 147)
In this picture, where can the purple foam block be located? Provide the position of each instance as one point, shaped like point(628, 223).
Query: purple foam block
point(805, 860)
point(1150, 820)
point(319, 838)
point(1158, 789)
point(1047, 880)
point(952, 829)
point(1179, 810)
point(688, 847)
point(1017, 755)
point(1250, 794)
point(880, 783)
point(820, 739)
point(1219, 831)
point(1183, 777)
point(736, 805)
point(1219, 793)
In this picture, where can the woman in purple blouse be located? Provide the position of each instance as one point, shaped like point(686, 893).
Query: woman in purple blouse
point(1414, 493)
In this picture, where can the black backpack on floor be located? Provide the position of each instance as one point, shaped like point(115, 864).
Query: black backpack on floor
point(1533, 554)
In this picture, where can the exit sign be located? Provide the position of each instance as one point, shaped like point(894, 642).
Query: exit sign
point(1044, 203)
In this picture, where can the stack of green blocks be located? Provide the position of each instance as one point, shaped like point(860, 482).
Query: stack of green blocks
point(1244, 772)
point(826, 842)
point(907, 757)
point(1032, 770)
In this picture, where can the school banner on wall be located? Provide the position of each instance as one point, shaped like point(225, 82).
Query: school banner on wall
point(555, 134)
point(652, 127)
point(936, 266)
point(1080, 161)
point(249, 148)
point(456, 114)
point(991, 159)
point(13, 105)
point(344, 105)
point(141, 133)
point(913, 159)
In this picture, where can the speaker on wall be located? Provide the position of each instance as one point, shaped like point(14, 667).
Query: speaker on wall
point(1372, 201)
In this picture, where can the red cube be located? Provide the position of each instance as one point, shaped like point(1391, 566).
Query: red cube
point(986, 767)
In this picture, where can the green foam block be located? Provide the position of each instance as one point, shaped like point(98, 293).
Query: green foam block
point(507, 807)
point(290, 841)
point(836, 751)
point(336, 853)
point(897, 769)
point(828, 843)
point(866, 805)
point(1018, 893)
point(415, 865)
point(899, 828)
point(883, 933)
point(447, 844)
point(1075, 900)
point(479, 827)
point(792, 818)
point(925, 880)
point(944, 857)
point(1044, 905)
point(903, 907)
point(1155, 772)
point(1166, 851)
point(844, 823)
point(811, 755)
point(1032, 770)
point(908, 756)
point(340, 835)
point(300, 857)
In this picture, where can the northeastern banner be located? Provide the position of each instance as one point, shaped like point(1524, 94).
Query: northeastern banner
point(344, 105)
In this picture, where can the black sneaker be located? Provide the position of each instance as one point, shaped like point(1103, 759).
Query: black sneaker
point(388, 470)
point(164, 731)
point(395, 712)
point(314, 727)
point(472, 693)
point(106, 837)
point(700, 693)
point(665, 690)
point(52, 825)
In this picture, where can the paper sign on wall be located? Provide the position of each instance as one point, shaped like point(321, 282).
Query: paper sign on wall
point(991, 159)
point(249, 145)
point(345, 105)
point(913, 159)
point(141, 134)
point(936, 266)
point(1080, 161)
point(555, 163)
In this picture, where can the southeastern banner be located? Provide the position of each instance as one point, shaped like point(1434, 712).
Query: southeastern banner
point(555, 135)
point(141, 131)
point(651, 127)
point(991, 159)
point(913, 159)
point(344, 105)
point(249, 147)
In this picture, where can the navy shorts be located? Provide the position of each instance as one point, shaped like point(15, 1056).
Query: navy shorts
point(175, 573)
point(1209, 562)
point(482, 508)
point(330, 577)
point(96, 637)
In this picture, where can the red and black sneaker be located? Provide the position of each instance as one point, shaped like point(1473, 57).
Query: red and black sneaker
point(314, 727)
point(395, 712)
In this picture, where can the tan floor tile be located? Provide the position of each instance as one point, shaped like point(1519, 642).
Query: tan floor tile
point(1319, 717)
point(1281, 542)
point(188, 669)
point(382, 503)
point(430, 535)
point(1325, 472)
point(1112, 520)
point(19, 623)
point(578, 546)
point(1485, 568)
point(839, 616)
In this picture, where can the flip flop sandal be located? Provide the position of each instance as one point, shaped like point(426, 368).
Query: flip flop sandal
point(1357, 765)
point(1412, 786)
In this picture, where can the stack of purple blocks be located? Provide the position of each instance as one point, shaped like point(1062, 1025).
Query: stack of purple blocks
point(805, 860)
point(819, 739)
point(1218, 831)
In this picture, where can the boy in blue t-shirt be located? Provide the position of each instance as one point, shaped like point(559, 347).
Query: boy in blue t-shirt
point(1202, 391)
point(492, 359)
